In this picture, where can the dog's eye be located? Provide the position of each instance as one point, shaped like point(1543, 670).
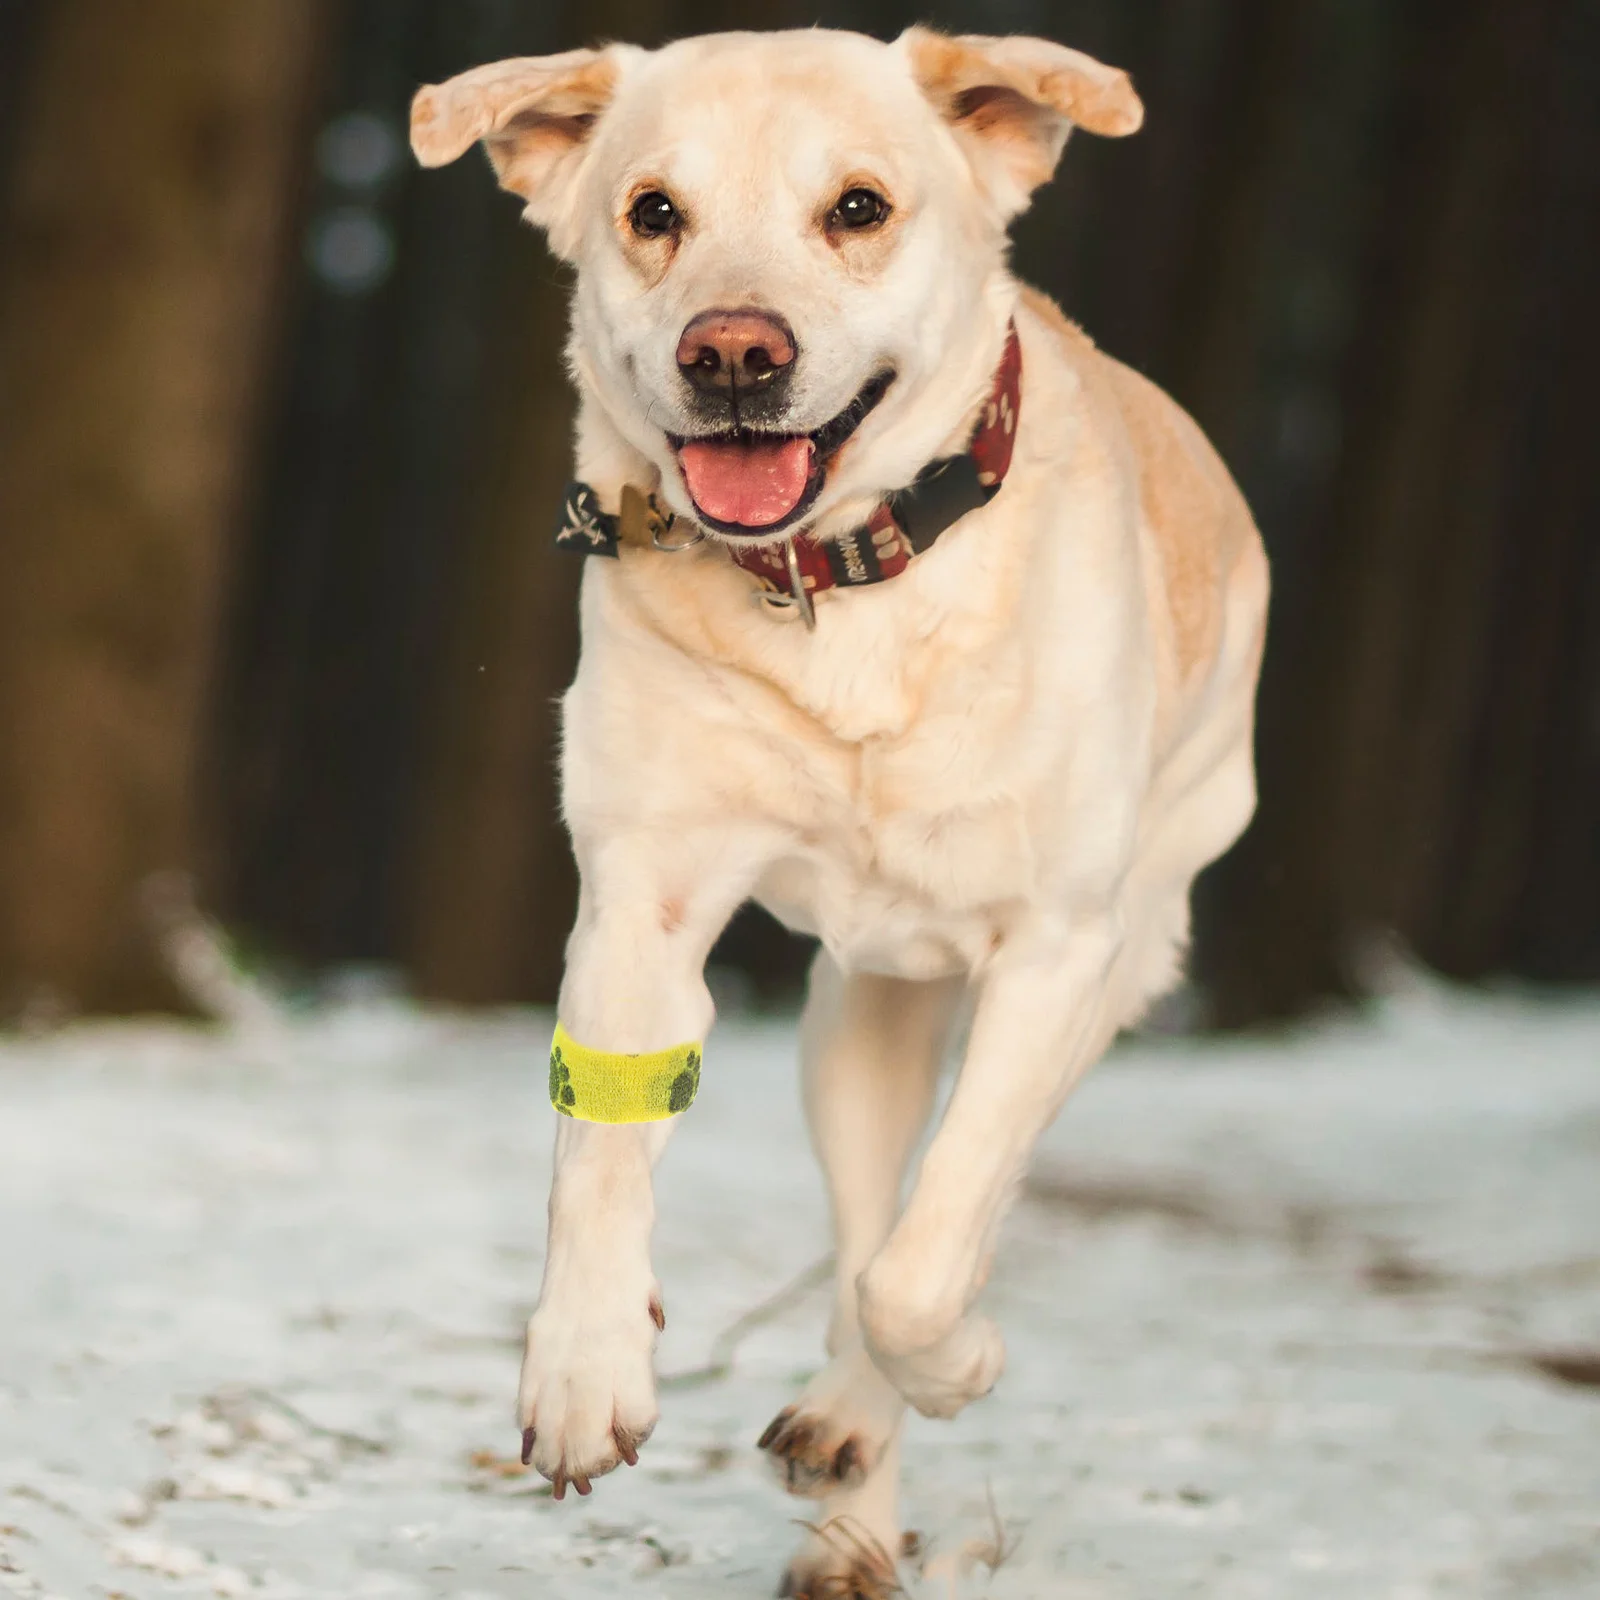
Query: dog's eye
point(859, 208)
point(654, 214)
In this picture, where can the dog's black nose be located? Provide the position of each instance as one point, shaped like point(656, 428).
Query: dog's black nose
point(726, 351)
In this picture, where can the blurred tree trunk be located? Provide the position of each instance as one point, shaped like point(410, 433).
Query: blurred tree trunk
point(494, 887)
point(153, 160)
point(1427, 726)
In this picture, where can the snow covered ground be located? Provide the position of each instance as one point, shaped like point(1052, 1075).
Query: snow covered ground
point(1295, 1319)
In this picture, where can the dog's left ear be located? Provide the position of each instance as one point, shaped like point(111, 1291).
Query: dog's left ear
point(1011, 103)
point(534, 115)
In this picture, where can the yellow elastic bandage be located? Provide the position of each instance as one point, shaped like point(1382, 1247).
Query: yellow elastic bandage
point(603, 1086)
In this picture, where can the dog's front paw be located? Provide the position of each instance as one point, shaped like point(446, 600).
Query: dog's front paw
point(833, 1436)
point(587, 1401)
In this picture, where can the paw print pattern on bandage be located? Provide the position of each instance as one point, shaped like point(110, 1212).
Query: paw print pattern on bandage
point(685, 1085)
point(562, 1096)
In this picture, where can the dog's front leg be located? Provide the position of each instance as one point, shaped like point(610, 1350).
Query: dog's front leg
point(648, 913)
point(1045, 1011)
point(587, 1399)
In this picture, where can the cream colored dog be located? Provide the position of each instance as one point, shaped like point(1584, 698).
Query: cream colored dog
point(985, 783)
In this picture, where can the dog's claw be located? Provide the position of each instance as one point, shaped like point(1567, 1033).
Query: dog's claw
point(658, 1315)
point(775, 1427)
point(529, 1436)
point(582, 1484)
point(625, 1446)
point(558, 1485)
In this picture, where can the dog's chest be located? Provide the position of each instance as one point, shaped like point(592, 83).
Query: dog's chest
point(909, 846)
point(884, 747)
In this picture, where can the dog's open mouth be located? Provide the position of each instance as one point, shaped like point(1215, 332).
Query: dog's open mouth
point(757, 484)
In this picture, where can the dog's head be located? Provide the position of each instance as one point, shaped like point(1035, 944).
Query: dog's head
point(790, 246)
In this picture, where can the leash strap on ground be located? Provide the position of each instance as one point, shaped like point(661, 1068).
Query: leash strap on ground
point(605, 1086)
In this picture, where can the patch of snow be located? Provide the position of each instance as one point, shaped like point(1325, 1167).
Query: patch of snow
point(1305, 1316)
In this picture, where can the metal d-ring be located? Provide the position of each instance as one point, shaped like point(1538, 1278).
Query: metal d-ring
point(665, 526)
point(797, 586)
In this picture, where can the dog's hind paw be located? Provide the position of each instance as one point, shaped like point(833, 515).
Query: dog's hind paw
point(841, 1560)
point(833, 1436)
point(809, 1459)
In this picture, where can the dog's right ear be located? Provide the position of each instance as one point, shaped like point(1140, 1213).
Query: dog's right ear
point(533, 114)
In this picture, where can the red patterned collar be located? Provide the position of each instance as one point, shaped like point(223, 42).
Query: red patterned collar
point(905, 525)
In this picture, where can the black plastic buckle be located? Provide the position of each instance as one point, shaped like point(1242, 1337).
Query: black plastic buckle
point(941, 495)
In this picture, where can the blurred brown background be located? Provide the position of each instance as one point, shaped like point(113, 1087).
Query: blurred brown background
point(283, 429)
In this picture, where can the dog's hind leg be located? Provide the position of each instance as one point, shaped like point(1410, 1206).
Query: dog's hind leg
point(1046, 1007)
point(871, 1050)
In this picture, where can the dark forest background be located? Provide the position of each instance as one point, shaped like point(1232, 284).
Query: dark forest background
point(283, 429)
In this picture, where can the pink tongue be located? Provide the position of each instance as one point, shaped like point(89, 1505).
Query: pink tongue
point(754, 484)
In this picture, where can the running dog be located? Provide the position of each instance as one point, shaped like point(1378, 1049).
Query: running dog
point(911, 616)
